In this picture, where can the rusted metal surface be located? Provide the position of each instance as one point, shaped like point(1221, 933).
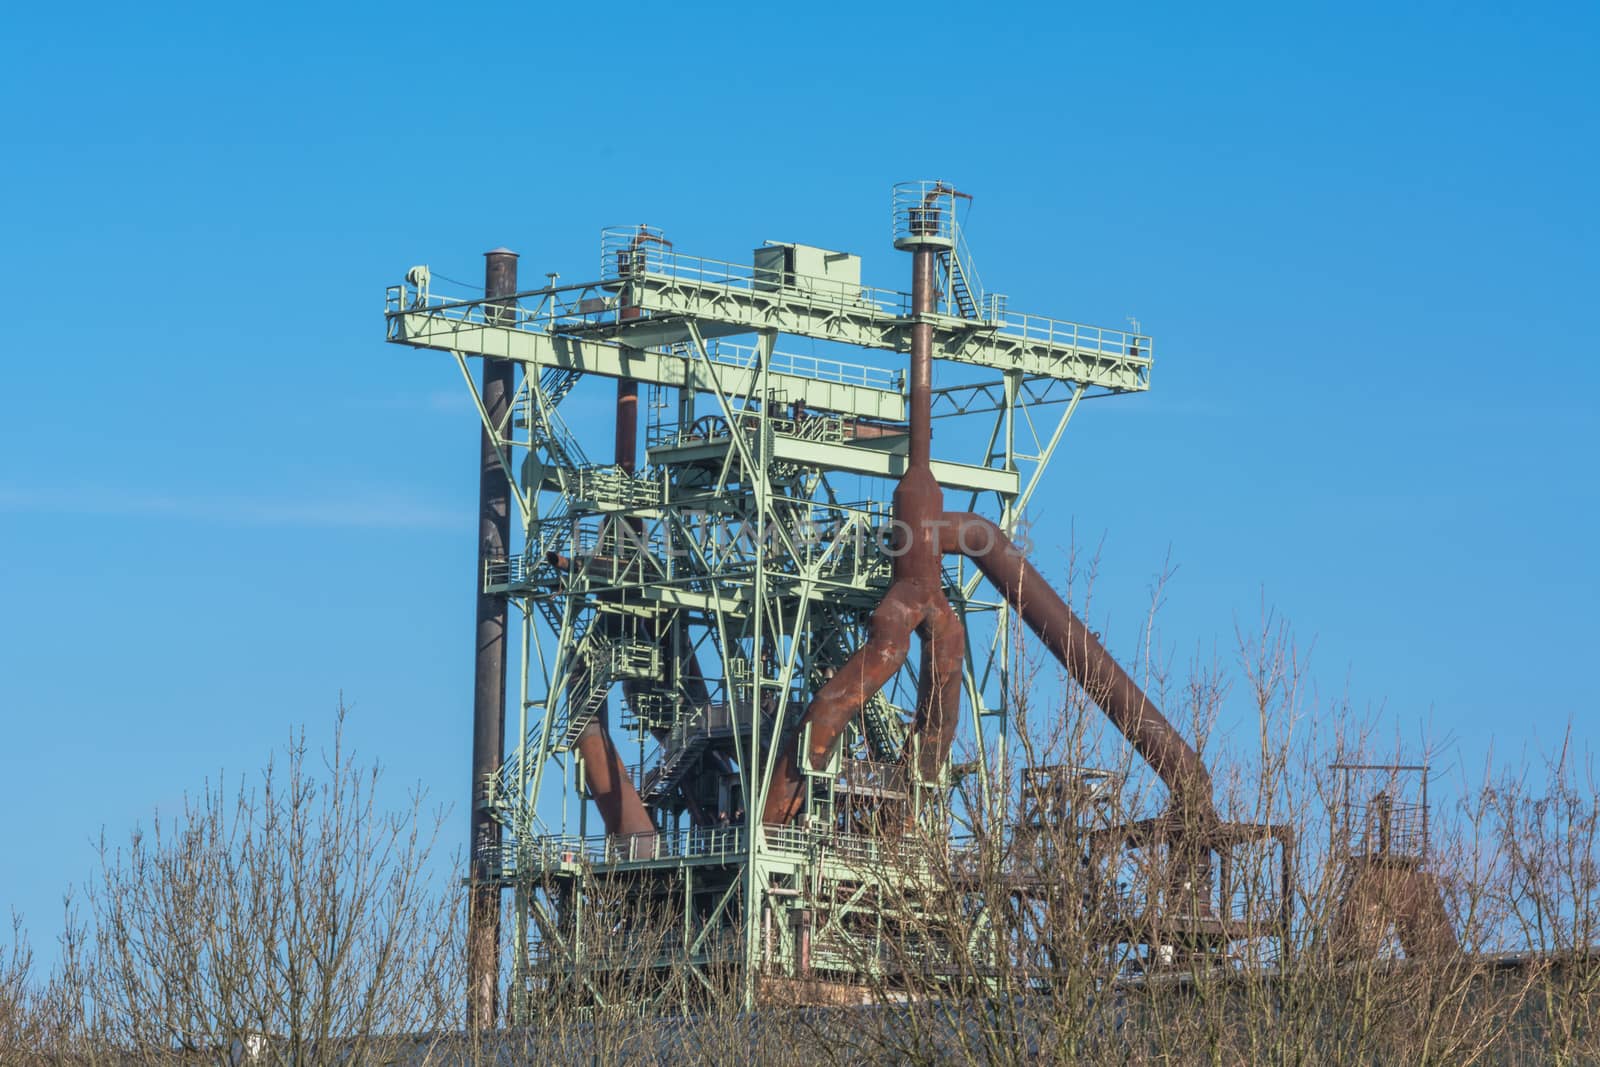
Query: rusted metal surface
point(627, 440)
point(1191, 822)
point(1086, 660)
point(627, 448)
point(489, 669)
point(1378, 894)
point(1381, 840)
point(914, 602)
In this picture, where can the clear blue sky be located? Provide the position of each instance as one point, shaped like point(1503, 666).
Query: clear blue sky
point(1364, 240)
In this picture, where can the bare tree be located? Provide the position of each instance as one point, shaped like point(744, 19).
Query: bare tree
point(290, 921)
point(18, 1018)
point(293, 921)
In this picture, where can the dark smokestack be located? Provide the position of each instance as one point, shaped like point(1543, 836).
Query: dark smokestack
point(489, 667)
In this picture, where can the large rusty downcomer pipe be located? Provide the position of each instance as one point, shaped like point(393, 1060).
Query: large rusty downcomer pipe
point(1086, 660)
point(914, 602)
point(489, 665)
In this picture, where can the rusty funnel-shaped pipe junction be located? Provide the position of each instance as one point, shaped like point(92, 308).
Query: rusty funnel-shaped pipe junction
point(916, 601)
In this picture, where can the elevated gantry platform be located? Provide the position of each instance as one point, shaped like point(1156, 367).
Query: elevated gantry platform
point(708, 593)
point(650, 316)
point(564, 328)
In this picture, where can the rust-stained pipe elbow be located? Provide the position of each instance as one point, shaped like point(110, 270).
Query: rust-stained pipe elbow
point(613, 790)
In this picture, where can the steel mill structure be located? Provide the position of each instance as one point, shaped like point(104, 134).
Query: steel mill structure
point(716, 713)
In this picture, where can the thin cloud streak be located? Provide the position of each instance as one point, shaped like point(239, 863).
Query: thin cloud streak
point(362, 509)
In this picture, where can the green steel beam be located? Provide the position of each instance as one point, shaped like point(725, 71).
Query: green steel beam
point(1039, 347)
point(439, 328)
point(884, 458)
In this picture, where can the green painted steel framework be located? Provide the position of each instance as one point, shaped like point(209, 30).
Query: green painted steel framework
point(718, 584)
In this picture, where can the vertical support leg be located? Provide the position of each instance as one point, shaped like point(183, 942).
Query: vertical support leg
point(489, 668)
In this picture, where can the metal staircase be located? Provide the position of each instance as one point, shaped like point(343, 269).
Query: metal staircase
point(962, 300)
point(885, 728)
point(547, 430)
point(595, 653)
point(964, 293)
point(682, 746)
point(504, 786)
point(556, 382)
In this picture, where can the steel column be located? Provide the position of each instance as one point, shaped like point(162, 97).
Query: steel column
point(489, 664)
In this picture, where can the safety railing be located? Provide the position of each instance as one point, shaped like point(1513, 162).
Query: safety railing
point(873, 778)
point(569, 851)
point(556, 311)
point(1383, 827)
point(621, 259)
point(596, 538)
point(849, 539)
point(609, 485)
point(1059, 333)
point(590, 305)
point(923, 210)
point(846, 543)
point(631, 949)
point(709, 721)
point(506, 570)
point(1142, 903)
point(1239, 886)
point(1059, 795)
point(823, 428)
point(745, 357)
point(909, 954)
point(552, 310)
point(888, 852)
point(968, 269)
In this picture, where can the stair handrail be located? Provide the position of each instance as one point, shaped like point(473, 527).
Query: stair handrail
point(962, 263)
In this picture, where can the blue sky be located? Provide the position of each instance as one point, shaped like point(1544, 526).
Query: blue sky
point(1363, 239)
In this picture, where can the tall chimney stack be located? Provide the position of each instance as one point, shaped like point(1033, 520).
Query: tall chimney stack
point(489, 666)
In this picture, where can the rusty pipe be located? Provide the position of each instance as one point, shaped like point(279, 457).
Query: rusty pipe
point(914, 602)
point(1086, 660)
point(615, 796)
point(923, 302)
point(938, 712)
point(627, 440)
point(489, 664)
